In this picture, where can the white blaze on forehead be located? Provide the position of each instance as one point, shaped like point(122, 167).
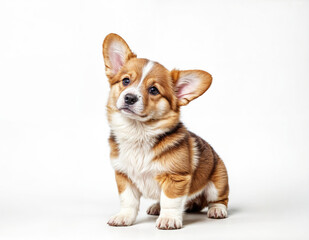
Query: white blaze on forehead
point(146, 69)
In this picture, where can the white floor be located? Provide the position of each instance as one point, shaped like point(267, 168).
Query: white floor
point(74, 219)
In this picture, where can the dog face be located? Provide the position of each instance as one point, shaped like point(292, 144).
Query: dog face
point(145, 90)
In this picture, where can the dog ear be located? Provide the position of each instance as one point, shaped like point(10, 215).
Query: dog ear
point(116, 53)
point(190, 84)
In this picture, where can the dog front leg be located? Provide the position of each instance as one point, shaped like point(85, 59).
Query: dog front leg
point(129, 202)
point(172, 200)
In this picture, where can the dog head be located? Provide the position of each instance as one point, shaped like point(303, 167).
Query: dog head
point(145, 90)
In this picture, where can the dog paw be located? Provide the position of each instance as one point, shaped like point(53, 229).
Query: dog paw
point(169, 223)
point(217, 211)
point(122, 219)
point(154, 209)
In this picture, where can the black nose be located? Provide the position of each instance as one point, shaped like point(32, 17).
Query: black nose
point(130, 99)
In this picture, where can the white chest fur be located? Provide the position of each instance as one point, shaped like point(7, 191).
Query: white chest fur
point(135, 142)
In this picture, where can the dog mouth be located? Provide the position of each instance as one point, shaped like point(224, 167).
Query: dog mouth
point(129, 111)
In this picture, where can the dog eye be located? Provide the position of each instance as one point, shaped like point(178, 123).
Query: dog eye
point(125, 81)
point(153, 91)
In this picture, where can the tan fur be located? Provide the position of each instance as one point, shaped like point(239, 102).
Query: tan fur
point(205, 165)
point(220, 179)
point(175, 155)
point(174, 185)
point(170, 142)
point(114, 152)
point(189, 163)
point(122, 181)
point(173, 152)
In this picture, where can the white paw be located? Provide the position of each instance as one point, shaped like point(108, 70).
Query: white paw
point(217, 210)
point(169, 222)
point(123, 218)
point(154, 209)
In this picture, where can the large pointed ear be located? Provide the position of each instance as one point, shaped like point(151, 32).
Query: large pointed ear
point(190, 84)
point(116, 53)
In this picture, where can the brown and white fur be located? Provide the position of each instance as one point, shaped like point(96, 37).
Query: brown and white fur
point(152, 152)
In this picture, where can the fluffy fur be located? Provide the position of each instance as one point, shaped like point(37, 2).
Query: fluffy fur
point(152, 152)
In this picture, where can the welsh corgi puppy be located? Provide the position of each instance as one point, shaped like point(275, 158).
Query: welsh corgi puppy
point(152, 152)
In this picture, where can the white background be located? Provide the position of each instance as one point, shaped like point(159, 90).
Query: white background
point(56, 181)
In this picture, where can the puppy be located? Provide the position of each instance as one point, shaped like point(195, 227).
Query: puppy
point(152, 152)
